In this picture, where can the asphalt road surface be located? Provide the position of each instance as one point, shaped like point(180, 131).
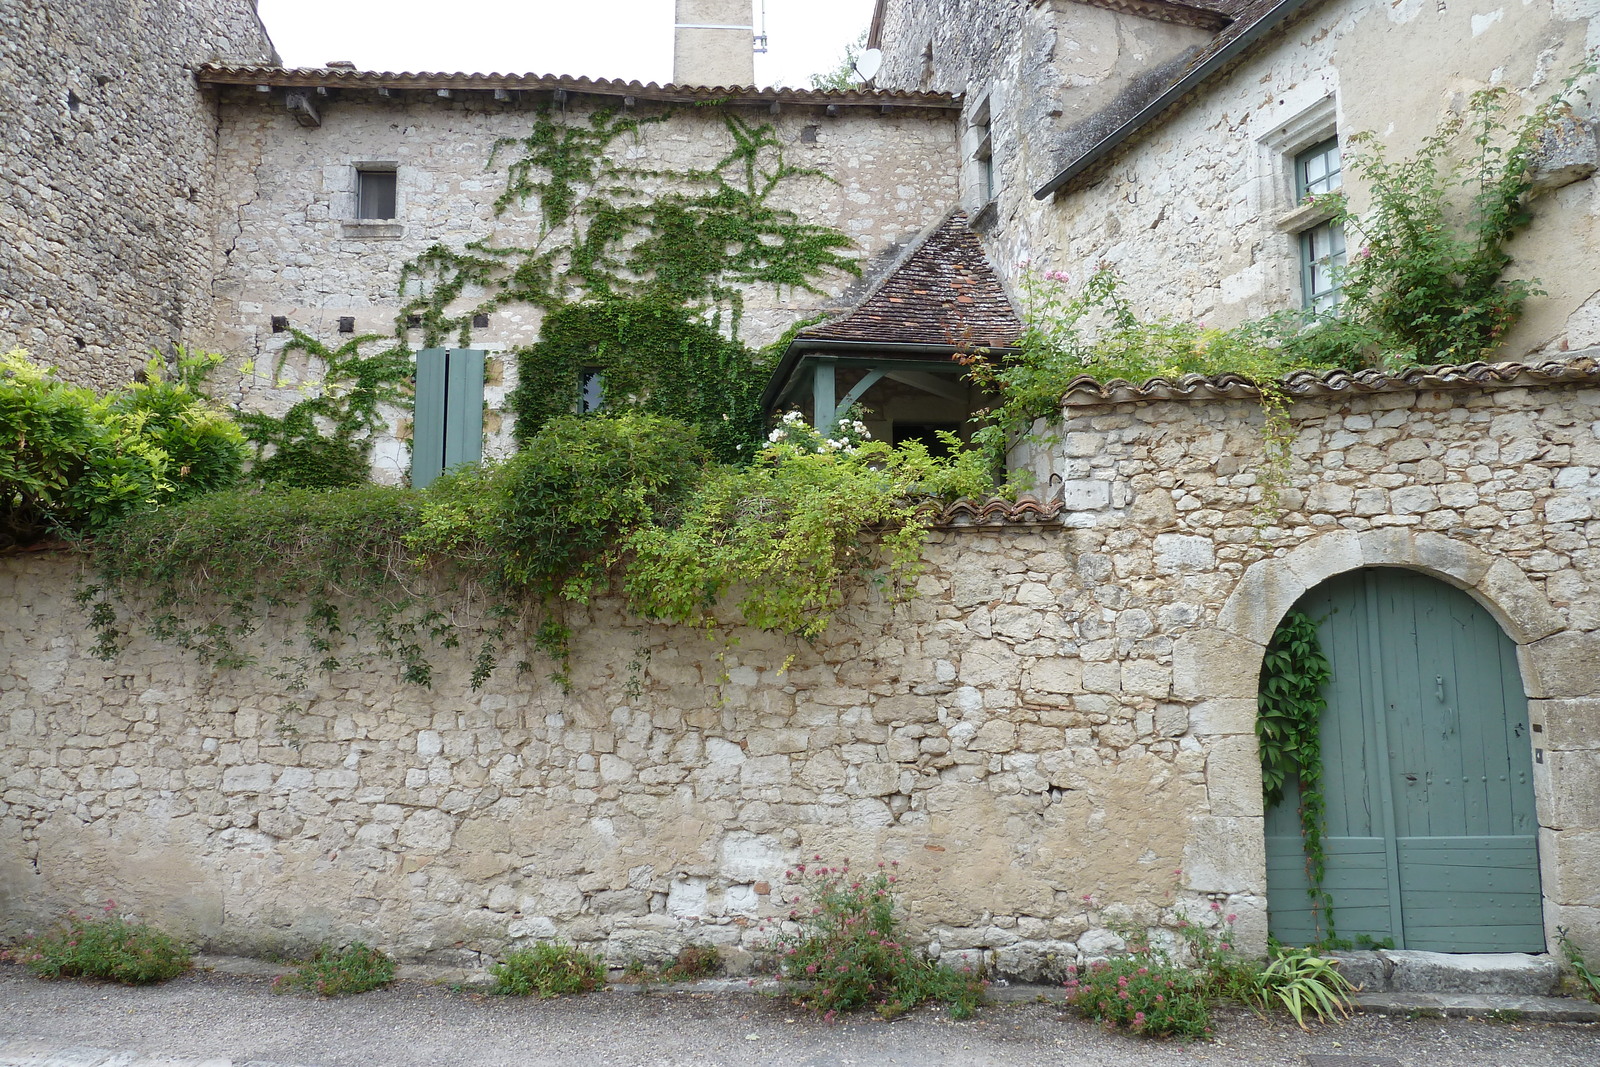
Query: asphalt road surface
point(218, 1020)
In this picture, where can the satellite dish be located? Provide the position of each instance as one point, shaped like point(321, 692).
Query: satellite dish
point(868, 63)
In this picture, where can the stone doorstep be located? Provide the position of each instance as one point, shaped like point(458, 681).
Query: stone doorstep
point(1510, 1008)
point(1492, 973)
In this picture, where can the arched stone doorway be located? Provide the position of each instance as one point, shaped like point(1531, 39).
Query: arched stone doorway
point(1217, 669)
point(1430, 836)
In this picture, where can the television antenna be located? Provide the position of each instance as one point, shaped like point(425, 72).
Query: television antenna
point(760, 41)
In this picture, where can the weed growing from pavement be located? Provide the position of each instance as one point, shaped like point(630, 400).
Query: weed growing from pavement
point(103, 946)
point(844, 945)
point(549, 969)
point(694, 961)
point(1589, 978)
point(1150, 991)
point(334, 972)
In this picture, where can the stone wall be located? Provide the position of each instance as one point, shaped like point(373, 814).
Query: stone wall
point(1189, 210)
point(295, 250)
point(1493, 491)
point(106, 181)
point(1054, 736)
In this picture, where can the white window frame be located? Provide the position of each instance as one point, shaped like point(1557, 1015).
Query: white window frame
point(1280, 149)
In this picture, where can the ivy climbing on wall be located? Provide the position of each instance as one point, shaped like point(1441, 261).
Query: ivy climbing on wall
point(638, 272)
point(1289, 734)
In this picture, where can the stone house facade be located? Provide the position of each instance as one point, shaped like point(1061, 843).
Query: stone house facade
point(1056, 737)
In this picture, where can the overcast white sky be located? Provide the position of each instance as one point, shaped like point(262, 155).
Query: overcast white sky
point(597, 38)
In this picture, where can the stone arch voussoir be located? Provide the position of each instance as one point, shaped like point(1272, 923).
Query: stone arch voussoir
point(1269, 588)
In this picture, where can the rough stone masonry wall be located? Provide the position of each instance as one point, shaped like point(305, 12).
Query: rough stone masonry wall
point(106, 189)
point(1494, 491)
point(660, 802)
point(1054, 736)
point(293, 247)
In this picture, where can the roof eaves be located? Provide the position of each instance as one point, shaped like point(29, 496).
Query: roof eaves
point(217, 74)
point(1212, 64)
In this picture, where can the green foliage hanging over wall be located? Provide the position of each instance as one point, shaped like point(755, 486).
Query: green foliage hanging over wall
point(1289, 733)
point(72, 462)
point(1094, 332)
point(206, 575)
point(324, 441)
point(1428, 283)
point(638, 271)
point(629, 500)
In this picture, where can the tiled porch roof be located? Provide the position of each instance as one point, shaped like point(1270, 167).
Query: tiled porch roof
point(943, 293)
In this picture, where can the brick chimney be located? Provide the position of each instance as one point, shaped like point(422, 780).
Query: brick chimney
point(713, 43)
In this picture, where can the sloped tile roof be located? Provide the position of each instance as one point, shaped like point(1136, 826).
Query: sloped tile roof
point(943, 293)
point(347, 78)
point(1576, 369)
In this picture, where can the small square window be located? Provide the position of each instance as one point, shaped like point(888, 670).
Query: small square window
point(375, 194)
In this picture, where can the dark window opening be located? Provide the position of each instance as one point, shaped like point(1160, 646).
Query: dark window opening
point(591, 390)
point(375, 194)
point(927, 433)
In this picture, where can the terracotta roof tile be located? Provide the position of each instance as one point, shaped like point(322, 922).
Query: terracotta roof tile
point(1026, 510)
point(943, 293)
point(345, 78)
point(1578, 368)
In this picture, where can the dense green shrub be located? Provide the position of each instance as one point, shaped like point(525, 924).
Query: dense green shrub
point(336, 972)
point(785, 531)
point(549, 969)
point(653, 356)
point(204, 446)
point(553, 519)
point(72, 462)
point(105, 946)
point(846, 948)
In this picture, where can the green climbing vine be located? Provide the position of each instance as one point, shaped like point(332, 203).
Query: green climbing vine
point(638, 273)
point(1288, 731)
point(324, 440)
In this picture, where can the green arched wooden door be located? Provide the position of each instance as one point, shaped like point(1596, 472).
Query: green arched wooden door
point(1427, 772)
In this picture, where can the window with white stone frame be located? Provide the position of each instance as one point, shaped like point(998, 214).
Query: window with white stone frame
point(373, 208)
point(978, 145)
point(1322, 248)
point(1302, 166)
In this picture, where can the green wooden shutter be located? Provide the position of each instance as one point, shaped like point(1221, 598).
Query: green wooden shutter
point(447, 423)
point(463, 421)
point(428, 417)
